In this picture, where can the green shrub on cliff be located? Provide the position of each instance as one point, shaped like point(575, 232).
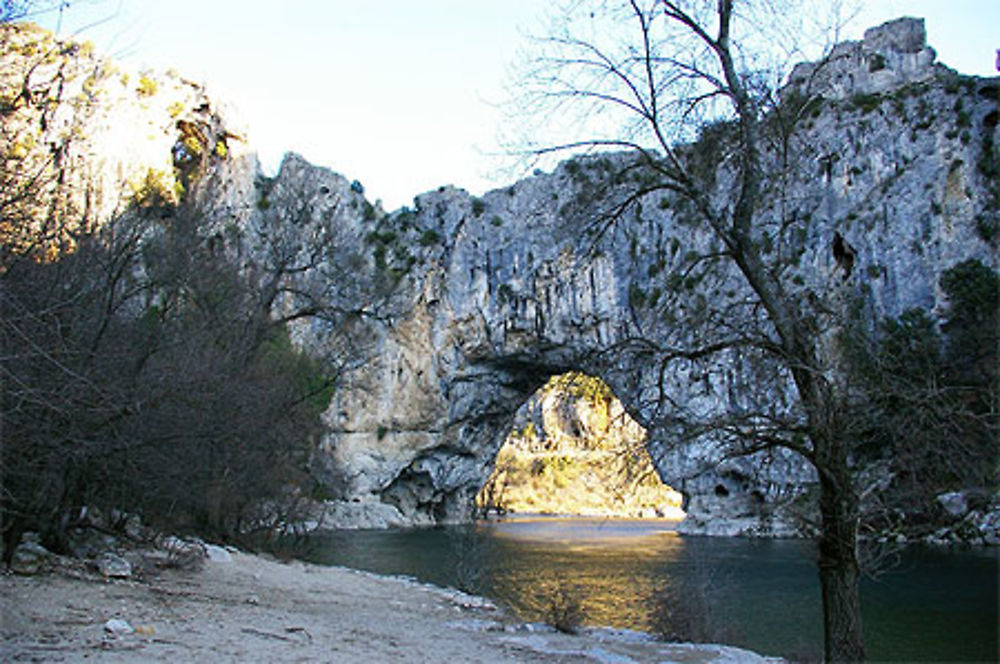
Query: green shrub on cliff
point(147, 86)
point(930, 393)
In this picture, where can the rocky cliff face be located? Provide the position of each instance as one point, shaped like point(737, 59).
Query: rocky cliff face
point(890, 56)
point(481, 300)
point(86, 138)
point(442, 320)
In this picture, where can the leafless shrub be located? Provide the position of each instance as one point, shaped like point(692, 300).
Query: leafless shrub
point(804, 654)
point(471, 557)
point(564, 611)
point(680, 616)
point(690, 609)
point(141, 372)
point(181, 555)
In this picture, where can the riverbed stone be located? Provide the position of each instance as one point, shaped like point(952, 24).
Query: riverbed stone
point(217, 554)
point(29, 558)
point(117, 627)
point(87, 542)
point(134, 529)
point(113, 566)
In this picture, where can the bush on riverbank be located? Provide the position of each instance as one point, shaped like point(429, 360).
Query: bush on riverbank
point(140, 373)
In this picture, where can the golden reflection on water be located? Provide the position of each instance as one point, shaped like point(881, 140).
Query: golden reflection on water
point(589, 531)
point(594, 559)
point(938, 605)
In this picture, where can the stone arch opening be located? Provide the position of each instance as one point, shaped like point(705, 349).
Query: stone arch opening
point(573, 449)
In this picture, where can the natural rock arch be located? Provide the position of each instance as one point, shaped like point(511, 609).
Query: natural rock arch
point(458, 310)
point(573, 449)
point(508, 294)
point(442, 320)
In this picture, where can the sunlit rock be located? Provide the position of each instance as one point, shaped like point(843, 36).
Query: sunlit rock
point(890, 56)
point(575, 450)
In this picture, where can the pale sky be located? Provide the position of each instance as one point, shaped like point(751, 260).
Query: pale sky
point(400, 94)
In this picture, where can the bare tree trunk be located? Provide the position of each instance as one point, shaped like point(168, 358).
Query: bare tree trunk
point(662, 78)
point(839, 574)
point(838, 501)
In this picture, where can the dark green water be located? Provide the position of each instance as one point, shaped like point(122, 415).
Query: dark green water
point(933, 605)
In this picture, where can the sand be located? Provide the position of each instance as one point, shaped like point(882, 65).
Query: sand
point(257, 609)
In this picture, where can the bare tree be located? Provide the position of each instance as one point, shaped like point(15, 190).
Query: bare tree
point(141, 369)
point(137, 373)
point(20, 10)
point(651, 77)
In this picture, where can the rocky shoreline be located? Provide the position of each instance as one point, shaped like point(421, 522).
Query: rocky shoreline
point(229, 606)
point(965, 520)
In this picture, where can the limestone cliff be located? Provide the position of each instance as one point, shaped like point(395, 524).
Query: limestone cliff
point(464, 306)
point(82, 139)
point(443, 319)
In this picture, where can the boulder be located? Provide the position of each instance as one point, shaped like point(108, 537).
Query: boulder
point(183, 554)
point(954, 503)
point(117, 627)
point(181, 547)
point(89, 543)
point(217, 554)
point(361, 515)
point(134, 528)
point(29, 558)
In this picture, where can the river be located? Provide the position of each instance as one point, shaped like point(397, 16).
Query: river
point(927, 604)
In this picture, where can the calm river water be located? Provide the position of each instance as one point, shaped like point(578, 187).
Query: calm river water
point(932, 605)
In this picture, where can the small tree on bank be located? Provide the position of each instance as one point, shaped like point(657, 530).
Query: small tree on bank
point(927, 413)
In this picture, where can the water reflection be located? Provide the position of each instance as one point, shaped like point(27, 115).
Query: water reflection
point(592, 560)
point(570, 531)
point(938, 605)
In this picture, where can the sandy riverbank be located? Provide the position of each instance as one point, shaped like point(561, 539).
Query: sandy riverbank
point(254, 609)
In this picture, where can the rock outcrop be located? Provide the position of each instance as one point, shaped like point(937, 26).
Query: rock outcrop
point(82, 139)
point(890, 56)
point(442, 320)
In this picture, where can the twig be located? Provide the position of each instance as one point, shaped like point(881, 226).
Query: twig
point(269, 635)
